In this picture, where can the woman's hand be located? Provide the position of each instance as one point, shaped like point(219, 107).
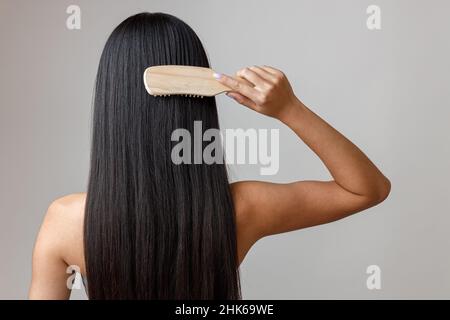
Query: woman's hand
point(263, 89)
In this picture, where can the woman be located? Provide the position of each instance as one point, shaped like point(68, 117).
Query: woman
point(150, 229)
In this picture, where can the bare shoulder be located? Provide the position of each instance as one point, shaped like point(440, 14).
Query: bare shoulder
point(250, 198)
point(58, 245)
point(248, 234)
point(66, 213)
point(61, 233)
point(70, 203)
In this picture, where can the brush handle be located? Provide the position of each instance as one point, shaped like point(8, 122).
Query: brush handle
point(182, 80)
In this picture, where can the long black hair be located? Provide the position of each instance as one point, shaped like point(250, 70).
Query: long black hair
point(154, 229)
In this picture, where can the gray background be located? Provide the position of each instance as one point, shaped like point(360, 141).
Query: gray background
point(386, 90)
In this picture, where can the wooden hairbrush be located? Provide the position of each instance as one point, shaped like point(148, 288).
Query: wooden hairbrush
point(188, 81)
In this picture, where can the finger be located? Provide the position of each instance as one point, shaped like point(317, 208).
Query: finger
point(242, 99)
point(263, 73)
point(253, 77)
point(257, 98)
point(245, 81)
point(238, 86)
point(272, 70)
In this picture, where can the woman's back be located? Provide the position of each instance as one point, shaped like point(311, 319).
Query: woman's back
point(65, 220)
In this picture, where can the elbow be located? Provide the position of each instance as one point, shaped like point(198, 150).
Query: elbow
point(381, 192)
point(385, 190)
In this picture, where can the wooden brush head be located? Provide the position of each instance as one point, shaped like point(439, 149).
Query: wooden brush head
point(182, 80)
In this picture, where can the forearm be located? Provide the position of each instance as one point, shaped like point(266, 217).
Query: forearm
point(348, 165)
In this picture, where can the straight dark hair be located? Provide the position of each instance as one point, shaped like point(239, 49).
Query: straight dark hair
point(154, 229)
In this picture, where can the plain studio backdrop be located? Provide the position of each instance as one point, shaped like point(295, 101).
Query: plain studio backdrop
point(386, 90)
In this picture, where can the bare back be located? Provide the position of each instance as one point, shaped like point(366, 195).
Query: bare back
point(70, 215)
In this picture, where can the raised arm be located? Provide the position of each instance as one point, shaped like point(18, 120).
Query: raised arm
point(274, 208)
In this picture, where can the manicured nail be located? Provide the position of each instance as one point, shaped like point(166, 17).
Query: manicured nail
point(217, 75)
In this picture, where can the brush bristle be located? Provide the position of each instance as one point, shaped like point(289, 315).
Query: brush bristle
point(185, 95)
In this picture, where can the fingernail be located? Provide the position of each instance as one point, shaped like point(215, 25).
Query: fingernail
point(217, 75)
